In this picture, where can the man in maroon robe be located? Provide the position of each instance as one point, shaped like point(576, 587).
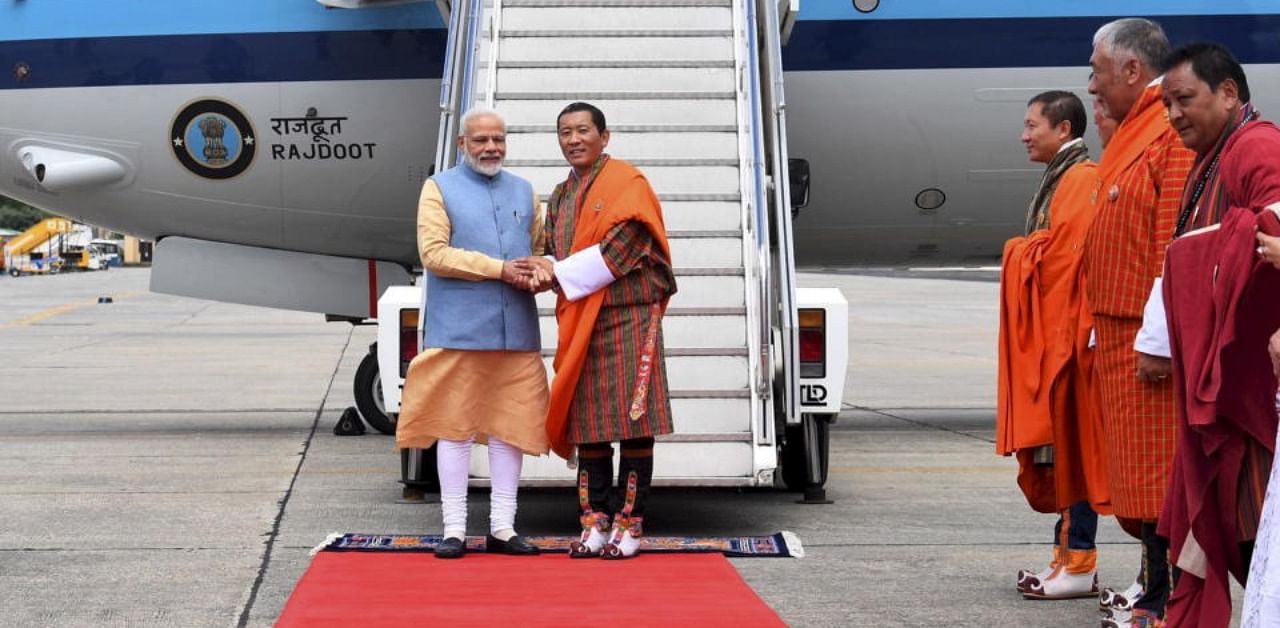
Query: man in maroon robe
point(1222, 303)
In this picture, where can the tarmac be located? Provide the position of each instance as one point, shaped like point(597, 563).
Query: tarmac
point(170, 462)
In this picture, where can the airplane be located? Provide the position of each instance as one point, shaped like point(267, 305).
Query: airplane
point(275, 150)
point(907, 113)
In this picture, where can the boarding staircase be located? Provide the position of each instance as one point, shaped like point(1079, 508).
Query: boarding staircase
point(680, 82)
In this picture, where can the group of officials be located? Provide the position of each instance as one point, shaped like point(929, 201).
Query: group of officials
point(1140, 333)
point(602, 247)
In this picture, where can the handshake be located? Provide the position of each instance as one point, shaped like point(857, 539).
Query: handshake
point(534, 274)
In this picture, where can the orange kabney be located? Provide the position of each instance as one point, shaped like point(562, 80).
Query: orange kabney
point(618, 194)
point(1046, 394)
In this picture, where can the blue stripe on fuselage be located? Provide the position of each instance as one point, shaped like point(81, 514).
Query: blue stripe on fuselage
point(831, 45)
point(962, 9)
point(74, 19)
point(226, 58)
point(999, 42)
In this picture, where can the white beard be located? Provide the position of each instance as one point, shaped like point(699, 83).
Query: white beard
point(484, 169)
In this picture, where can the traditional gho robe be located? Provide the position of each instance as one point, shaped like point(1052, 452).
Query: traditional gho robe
point(480, 373)
point(610, 377)
point(1046, 395)
point(1142, 175)
point(1222, 305)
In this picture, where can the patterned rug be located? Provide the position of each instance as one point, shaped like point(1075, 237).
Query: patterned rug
point(782, 545)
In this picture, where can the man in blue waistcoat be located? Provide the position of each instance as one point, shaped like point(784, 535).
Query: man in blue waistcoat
point(479, 377)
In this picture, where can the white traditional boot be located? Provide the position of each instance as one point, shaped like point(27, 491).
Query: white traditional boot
point(1025, 575)
point(624, 539)
point(1111, 601)
point(1075, 577)
point(595, 525)
point(595, 534)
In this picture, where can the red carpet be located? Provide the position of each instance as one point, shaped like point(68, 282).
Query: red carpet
point(388, 589)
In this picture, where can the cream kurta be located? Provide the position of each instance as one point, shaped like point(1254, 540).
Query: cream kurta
point(457, 394)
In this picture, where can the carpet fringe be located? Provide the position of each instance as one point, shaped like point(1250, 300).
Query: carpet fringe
point(333, 536)
point(793, 543)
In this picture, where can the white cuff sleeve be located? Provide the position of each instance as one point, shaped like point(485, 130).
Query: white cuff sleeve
point(1153, 338)
point(583, 273)
point(1093, 337)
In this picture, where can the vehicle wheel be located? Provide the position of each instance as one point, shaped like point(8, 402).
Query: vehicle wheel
point(807, 446)
point(14, 272)
point(368, 393)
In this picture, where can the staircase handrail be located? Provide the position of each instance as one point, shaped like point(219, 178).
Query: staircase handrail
point(781, 216)
point(495, 37)
point(449, 91)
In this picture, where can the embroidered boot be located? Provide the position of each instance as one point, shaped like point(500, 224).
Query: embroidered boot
point(1075, 577)
point(1024, 575)
point(595, 475)
point(624, 539)
point(1111, 601)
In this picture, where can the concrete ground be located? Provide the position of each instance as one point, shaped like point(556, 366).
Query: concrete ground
point(170, 462)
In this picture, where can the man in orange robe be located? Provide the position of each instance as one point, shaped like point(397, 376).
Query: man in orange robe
point(1046, 409)
point(1142, 173)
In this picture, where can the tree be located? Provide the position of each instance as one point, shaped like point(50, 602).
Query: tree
point(18, 216)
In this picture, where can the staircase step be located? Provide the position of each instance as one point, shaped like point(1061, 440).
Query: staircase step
point(612, 48)
point(617, 3)
point(674, 462)
point(545, 308)
point(613, 33)
point(618, 130)
point(677, 352)
point(721, 181)
point(585, 18)
point(624, 63)
point(568, 97)
point(623, 112)
point(708, 252)
point(701, 372)
point(695, 215)
point(639, 162)
point(685, 333)
point(694, 291)
point(628, 80)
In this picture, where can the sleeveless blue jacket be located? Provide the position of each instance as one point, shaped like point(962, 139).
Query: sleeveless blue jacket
point(490, 215)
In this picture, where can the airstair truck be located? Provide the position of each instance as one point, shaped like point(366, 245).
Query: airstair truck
point(693, 94)
point(49, 247)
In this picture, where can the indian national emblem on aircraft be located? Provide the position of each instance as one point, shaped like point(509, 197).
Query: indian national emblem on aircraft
point(215, 152)
point(213, 139)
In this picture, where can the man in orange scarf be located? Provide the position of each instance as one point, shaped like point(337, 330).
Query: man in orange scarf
point(1046, 404)
point(613, 273)
point(1142, 173)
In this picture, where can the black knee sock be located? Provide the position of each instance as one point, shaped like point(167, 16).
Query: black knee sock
point(595, 475)
point(1157, 580)
point(637, 460)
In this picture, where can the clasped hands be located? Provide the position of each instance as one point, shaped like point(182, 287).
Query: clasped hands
point(534, 274)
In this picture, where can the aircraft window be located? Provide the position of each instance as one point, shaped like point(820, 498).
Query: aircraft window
point(866, 6)
point(930, 199)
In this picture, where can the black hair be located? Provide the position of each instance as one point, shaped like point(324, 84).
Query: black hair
point(1211, 63)
point(1059, 105)
point(597, 116)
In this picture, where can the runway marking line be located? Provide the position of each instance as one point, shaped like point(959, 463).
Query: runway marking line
point(62, 309)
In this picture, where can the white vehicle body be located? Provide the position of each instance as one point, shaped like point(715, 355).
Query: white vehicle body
point(819, 394)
